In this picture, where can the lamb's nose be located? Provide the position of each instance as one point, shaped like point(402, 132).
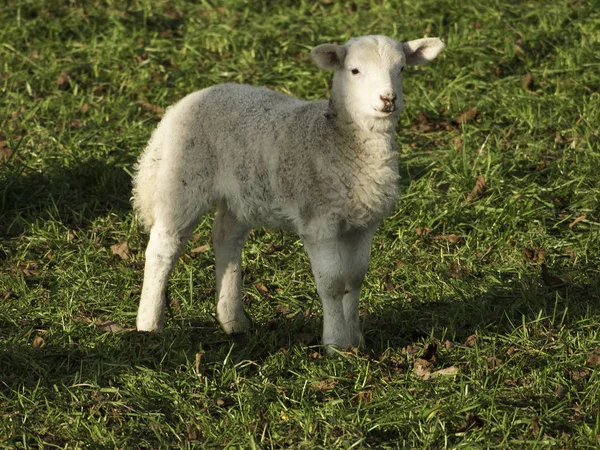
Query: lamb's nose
point(388, 98)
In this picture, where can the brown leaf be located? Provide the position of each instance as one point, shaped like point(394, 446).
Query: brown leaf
point(423, 368)
point(17, 113)
point(472, 420)
point(421, 232)
point(150, 107)
point(325, 385)
point(452, 370)
point(38, 342)
point(365, 396)
point(121, 250)
point(5, 151)
point(84, 108)
point(549, 279)
point(63, 81)
point(594, 359)
point(535, 425)
point(451, 238)
point(536, 255)
point(478, 190)
point(448, 344)
point(200, 249)
point(198, 357)
point(477, 25)
point(458, 143)
point(110, 327)
point(466, 116)
point(528, 81)
point(284, 310)
point(576, 221)
point(410, 350)
point(262, 289)
point(225, 402)
point(458, 271)
point(470, 342)
point(492, 362)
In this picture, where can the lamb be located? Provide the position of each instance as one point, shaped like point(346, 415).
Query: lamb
point(326, 170)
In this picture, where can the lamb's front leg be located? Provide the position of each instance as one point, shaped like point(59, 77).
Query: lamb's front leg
point(355, 252)
point(327, 268)
point(229, 237)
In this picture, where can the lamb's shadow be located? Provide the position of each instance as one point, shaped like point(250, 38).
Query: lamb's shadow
point(74, 195)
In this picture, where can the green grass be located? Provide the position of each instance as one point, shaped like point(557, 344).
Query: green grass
point(522, 346)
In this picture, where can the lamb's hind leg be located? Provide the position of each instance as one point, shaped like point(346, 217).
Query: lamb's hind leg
point(166, 244)
point(229, 237)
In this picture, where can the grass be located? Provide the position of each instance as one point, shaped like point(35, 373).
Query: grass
point(454, 285)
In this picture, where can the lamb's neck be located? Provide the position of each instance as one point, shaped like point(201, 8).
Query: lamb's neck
point(372, 136)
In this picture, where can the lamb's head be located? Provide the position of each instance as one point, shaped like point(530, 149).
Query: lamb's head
point(367, 85)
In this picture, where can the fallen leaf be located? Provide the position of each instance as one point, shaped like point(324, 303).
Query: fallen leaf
point(549, 279)
point(478, 190)
point(110, 327)
point(325, 385)
point(466, 116)
point(84, 108)
point(198, 357)
point(528, 81)
point(150, 107)
point(448, 344)
point(458, 271)
point(493, 363)
point(5, 151)
point(200, 249)
point(121, 250)
point(38, 342)
point(535, 425)
point(410, 350)
point(576, 221)
point(6, 294)
point(283, 310)
point(423, 368)
point(477, 25)
point(594, 359)
point(578, 374)
point(224, 402)
point(472, 420)
point(421, 232)
point(262, 289)
point(536, 255)
point(17, 113)
point(452, 370)
point(451, 238)
point(458, 143)
point(63, 81)
point(470, 342)
point(365, 396)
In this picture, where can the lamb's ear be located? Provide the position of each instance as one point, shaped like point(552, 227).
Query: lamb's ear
point(328, 56)
point(421, 51)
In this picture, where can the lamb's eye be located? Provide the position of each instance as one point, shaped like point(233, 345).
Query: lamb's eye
point(355, 71)
point(401, 69)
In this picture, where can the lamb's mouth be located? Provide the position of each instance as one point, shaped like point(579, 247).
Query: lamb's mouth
point(386, 111)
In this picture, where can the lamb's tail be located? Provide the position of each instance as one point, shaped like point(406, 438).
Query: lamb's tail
point(144, 183)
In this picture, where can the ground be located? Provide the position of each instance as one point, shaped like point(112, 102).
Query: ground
point(481, 308)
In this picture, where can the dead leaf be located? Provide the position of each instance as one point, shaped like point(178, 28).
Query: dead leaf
point(458, 143)
point(6, 294)
point(283, 310)
point(493, 363)
point(423, 368)
point(199, 355)
point(549, 279)
point(458, 271)
point(466, 116)
point(423, 123)
point(421, 232)
point(5, 151)
point(536, 255)
point(477, 25)
point(225, 402)
point(470, 342)
point(110, 327)
point(38, 342)
point(448, 344)
point(535, 425)
point(594, 359)
point(262, 289)
point(84, 108)
point(325, 385)
point(63, 81)
point(576, 221)
point(365, 396)
point(472, 420)
point(528, 81)
point(121, 250)
point(452, 370)
point(200, 249)
point(451, 238)
point(410, 350)
point(578, 374)
point(478, 190)
point(150, 107)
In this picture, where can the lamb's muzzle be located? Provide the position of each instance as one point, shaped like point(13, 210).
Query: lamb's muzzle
point(326, 170)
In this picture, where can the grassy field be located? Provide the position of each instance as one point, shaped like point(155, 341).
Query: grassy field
point(481, 308)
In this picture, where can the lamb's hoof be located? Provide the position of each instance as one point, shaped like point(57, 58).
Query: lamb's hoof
point(149, 327)
point(236, 326)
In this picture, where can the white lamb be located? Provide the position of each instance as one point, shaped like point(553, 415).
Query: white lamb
point(326, 170)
